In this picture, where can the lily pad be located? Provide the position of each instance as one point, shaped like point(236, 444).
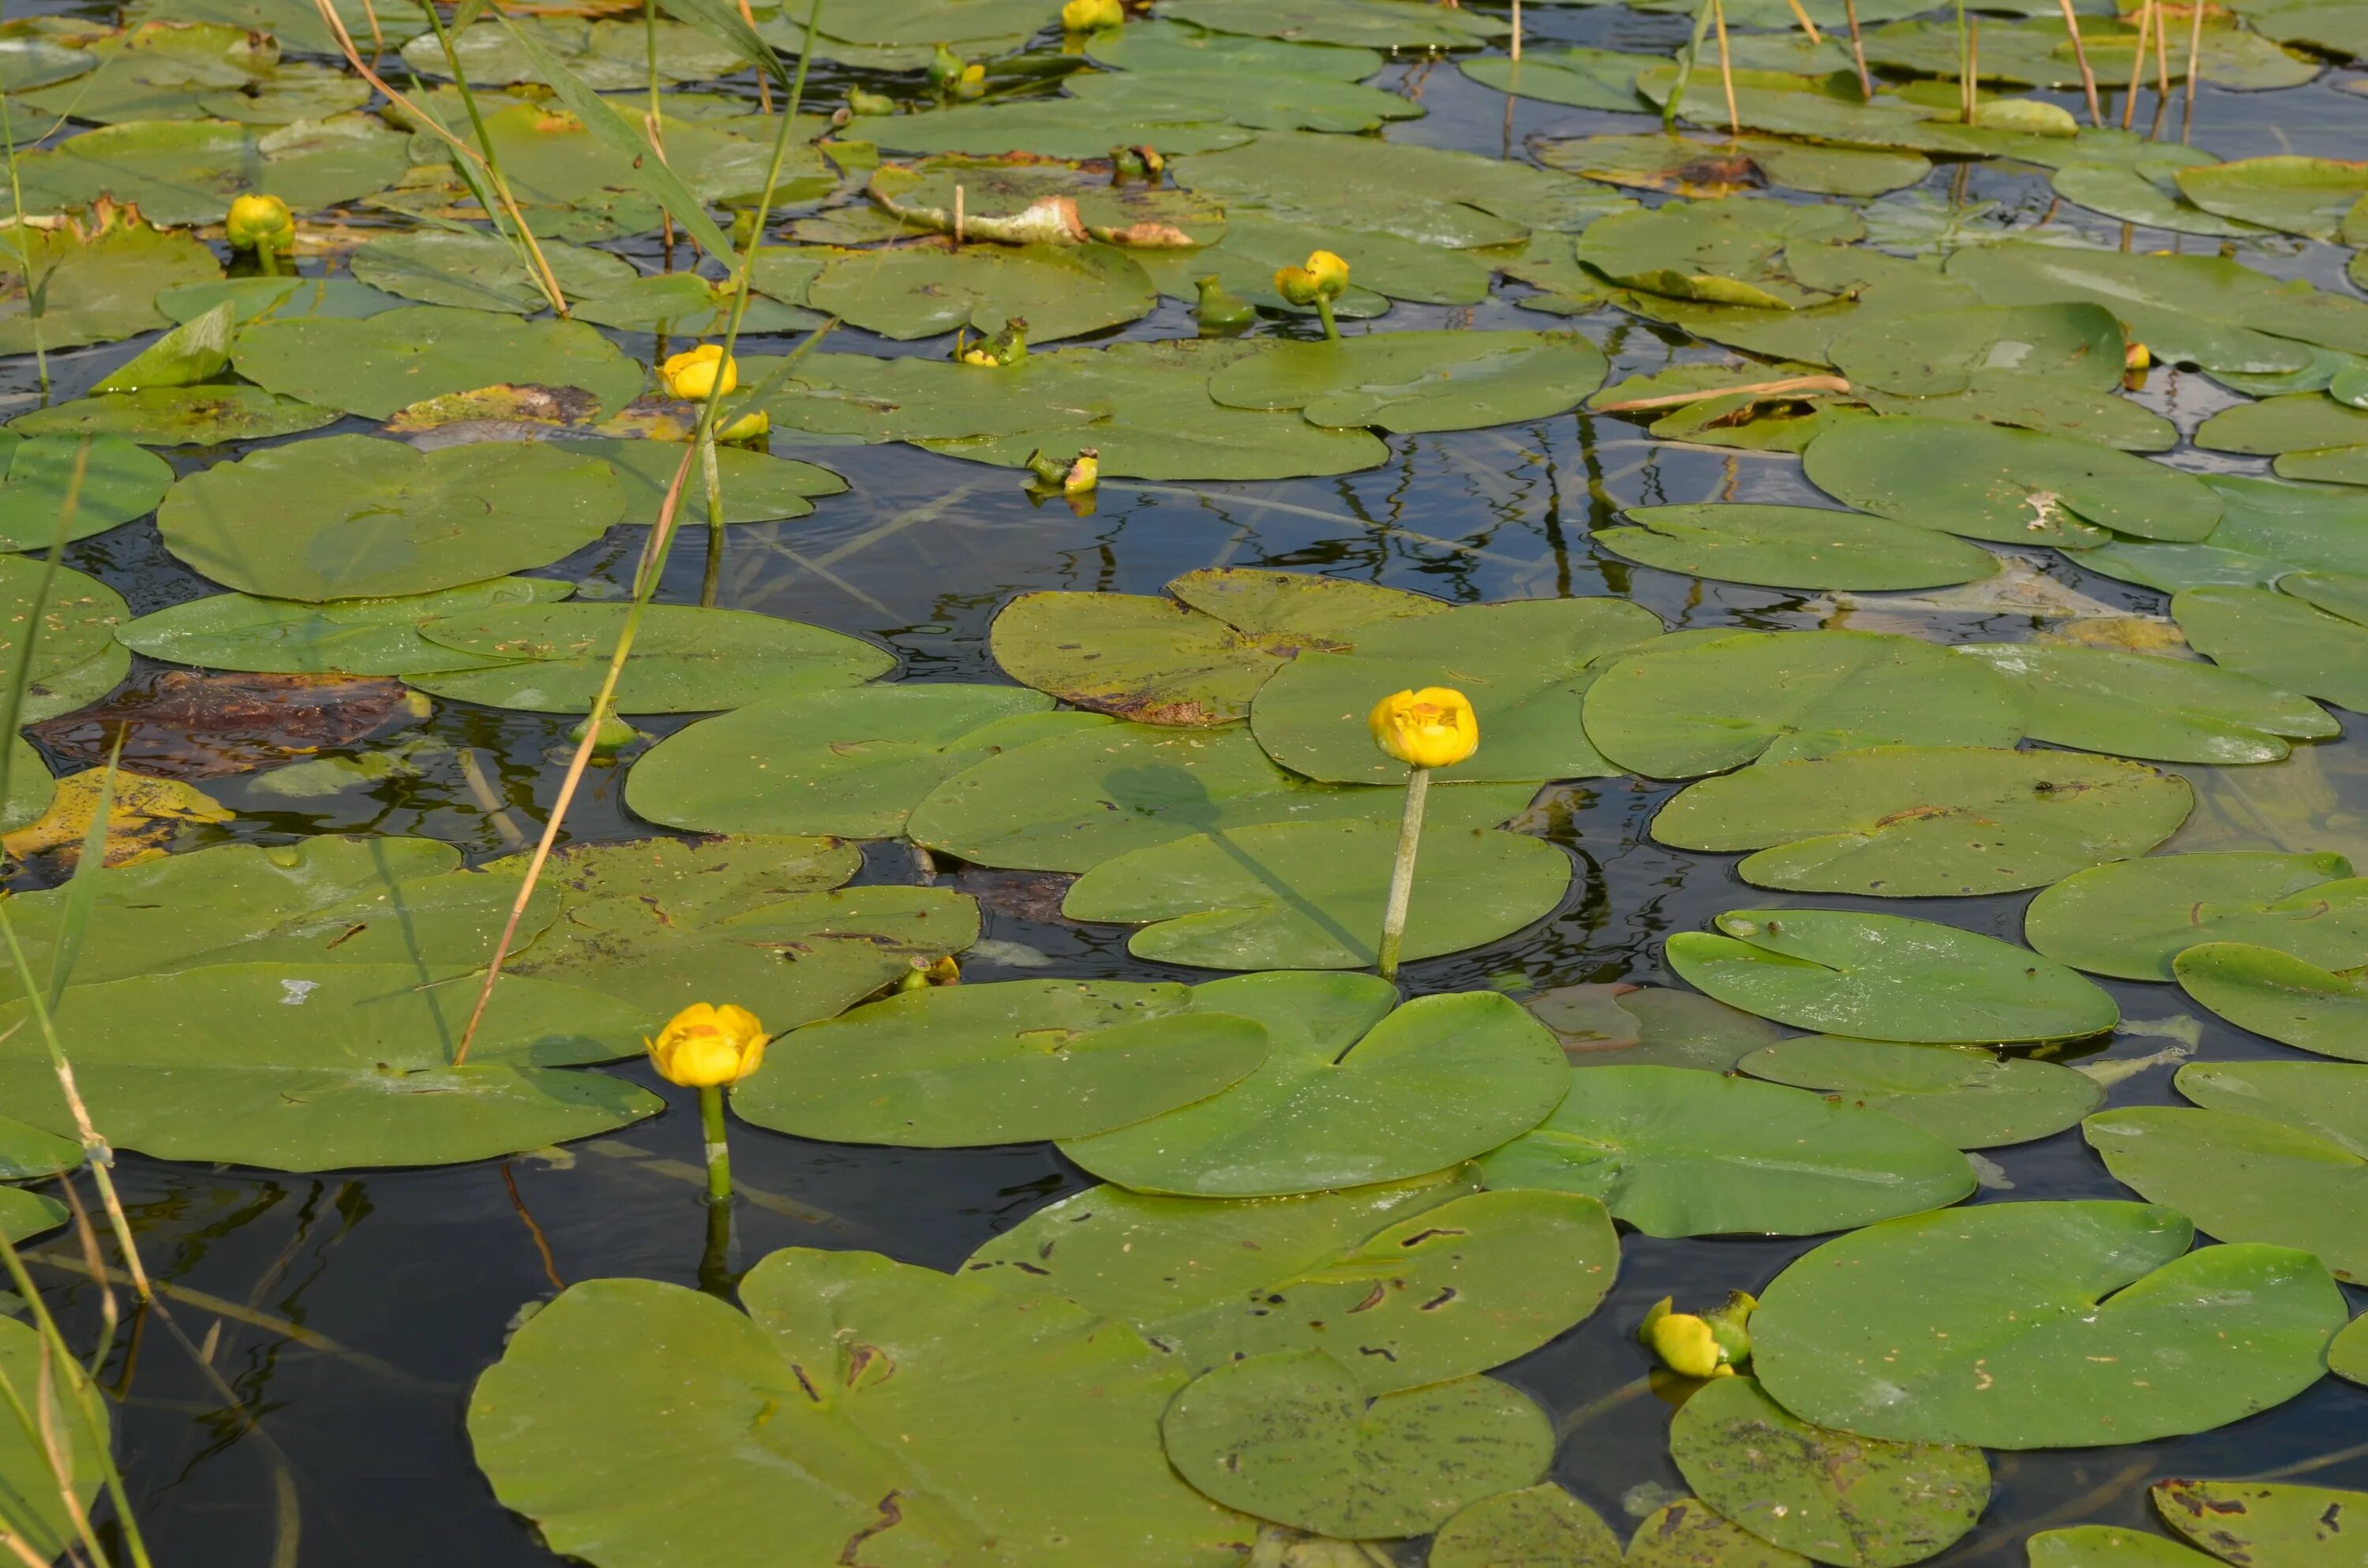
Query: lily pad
point(37, 1509)
point(2142, 193)
point(98, 282)
point(2278, 638)
point(1429, 195)
point(1887, 977)
point(480, 271)
point(1577, 78)
point(2109, 1546)
point(255, 300)
point(1703, 169)
point(382, 364)
point(1290, 1436)
point(2264, 1524)
point(916, 399)
point(2277, 1154)
point(1350, 1091)
point(1924, 822)
point(353, 637)
point(1796, 547)
point(1369, 24)
point(1691, 1534)
point(112, 480)
point(1467, 1279)
point(666, 921)
point(359, 1077)
point(1413, 383)
point(2040, 1325)
point(1310, 894)
point(183, 172)
point(685, 660)
point(1613, 1026)
point(1541, 1526)
point(1071, 799)
point(1001, 1430)
point(178, 416)
point(2131, 920)
point(2137, 705)
point(2348, 1357)
point(1832, 1496)
point(2296, 422)
point(1148, 44)
point(1524, 666)
point(71, 660)
point(1241, 95)
point(2309, 196)
point(1932, 354)
point(922, 291)
point(1049, 127)
point(1009, 1062)
point(2273, 992)
point(757, 487)
point(1965, 1096)
point(1678, 1152)
point(1702, 707)
point(2012, 486)
point(1382, 266)
point(350, 517)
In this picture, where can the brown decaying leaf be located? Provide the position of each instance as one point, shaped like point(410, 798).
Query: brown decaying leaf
point(194, 724)
point(528, 402)
point(145, 817)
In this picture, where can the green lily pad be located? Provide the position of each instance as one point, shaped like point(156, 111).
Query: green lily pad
point(663, 923)
point(1413, 383)
point(1698, 169)
point(2132, 919)
point(1290, 1436)
point(1796, 547)
point(916, 399)
point(2273, 992)
point(757, 487)
point(2040, 1325)
point(353, 637)
point(1241, 95)
point(391, 360)
point(255, 300)
point(1382, 266)
point(2280, 639)
point(1702, 707)
point(98, 285)
point(1469, 1280)
point(852, 763)
point(380, 902)
point(1310, 894)
point(2012, 486)
point(2311, 527)
point(72, 661)
point(1678, 1152)
point(118, 481)
point(2138, 706)
point(1059, 291)
point(178, 416)
point(609, 56)
point(157, 72)
point(296, 23)
point(180, 172)
point(480, 271)
point(1048, 127)
point(1350, 1092)
point(1921, 354)
point(685, 660)
point(1002, 1431)
point(2265, 1524)
point(1148, 44)
point(1690, 1534)
point(919, 198)
point(2277, 1154)
point(1832, 1496)
point(1887, 977)
point(36, 1510)
point(2142, 193)
point(1373, 24)
point(350, 517)
point(27, 1153)
point(2309, 196)
point(1924, 822)
point(1721, 253)
point(1965, 1096)
point(2348, 1357)
point(2109, 1546)
point(1576, 78)
point(1009, 1062)
point(1541, 1526)
point(359, 1078)
point(2296, 422)
point(23, 1215)
point(1523, 665)
point(1429, 195)
point(1612, 1026)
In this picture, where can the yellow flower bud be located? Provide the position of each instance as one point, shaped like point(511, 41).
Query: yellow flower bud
point(700, 373)
point(704, 1046)
point(1090, 16)
point(1431, 728)
point(751, 426)
point(1331, 273)
point(1083, 475)
point(260, 222)
point(1685, 1344)
point(2136, 356)
point(1298, 286)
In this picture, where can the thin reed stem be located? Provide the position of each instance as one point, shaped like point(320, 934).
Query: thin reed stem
point(2080, 59)
point(1858, 49)
point(1725, 68)
point(2138, 63)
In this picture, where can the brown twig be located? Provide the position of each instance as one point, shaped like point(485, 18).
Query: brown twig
point(1858, 49)
point(541, 1246)
point(2138, 63)
point(1808, 386)
point(2080, 58)
point(1726, 67)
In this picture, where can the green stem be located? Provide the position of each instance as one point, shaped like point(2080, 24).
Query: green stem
point(719, 1154)
point(714, 483)
point(1676, 100)
point(1394, 917)
point(1331, 327)
point(24, 254)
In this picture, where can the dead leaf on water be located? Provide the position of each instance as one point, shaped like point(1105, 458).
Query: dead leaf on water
point(193, 724)
point(145, 817)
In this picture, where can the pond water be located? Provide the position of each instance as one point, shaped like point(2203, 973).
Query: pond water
point(356, 1310)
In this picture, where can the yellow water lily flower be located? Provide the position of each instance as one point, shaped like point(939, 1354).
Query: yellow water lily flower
point(703, 1047)
point(1431, 728)
point(1090, 16)
point(1297, 286)
point(700, 373)
point(749, 427)
point(261, 223)
point(1685, 1346)
point(1330, 272)
point(1083, 475)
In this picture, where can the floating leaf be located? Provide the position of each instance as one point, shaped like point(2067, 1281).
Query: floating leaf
point(2041, 1325)
point(355, 637)
point(143, 816)
point(1543, 1526)
point(1290, 1436)
point(2299, 195)
point(1349, 1092)
point(2348, 1357)
point(1310, 894)
point(1922, 822)
point(1678, 1152)
point(998, 1430)
point(1416, 1281)
point(2265, 1524)
point(1796, 547)
point(1382, 267)
point(178, 416)
point(2109, 1546)
point(2166, 710)
point(1241, 95)
point(917, 399)
point(2131, 920)
point(1698, 168)
point(1148, 44)
point(72, 659)
point(118, 481)
point(188, 171)
point(2273, 992)
point(757, 487)
point(1577, 78)
point(1427, 194)
point(685, 660)
point(1523, 665)
point(1702, 707)
point(1719, 252)
point(193, 724)
point(480, 271)
point(1690, 1534)
point(384, 363)
point(38, 1513)
point(1887, 977)
point(1965, 1096)
point(1371, 24)
point(360, 1077)
point(1419, 382)
point(1832, 1496)
point(1622, 1024)
point(2278, 638)
point(2277, 1154)
point(1059, 291)
point(98, 283)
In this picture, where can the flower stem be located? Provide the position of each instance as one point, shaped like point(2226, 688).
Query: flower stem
point(1393, 918)
point(1331, 327)
point(714, 576)
point(719, 1155)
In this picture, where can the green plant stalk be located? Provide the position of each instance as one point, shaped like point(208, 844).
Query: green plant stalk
point(1393, 915)
point(1324, 311)
point(711, 475)
point(24, 252)
point(653, 561)
point(719, 1152)
point(525, 236)
point(21, 678)
point(1676, 97)
point(82, 888)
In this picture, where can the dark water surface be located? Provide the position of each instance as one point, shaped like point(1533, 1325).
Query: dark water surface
point(364, 1305)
